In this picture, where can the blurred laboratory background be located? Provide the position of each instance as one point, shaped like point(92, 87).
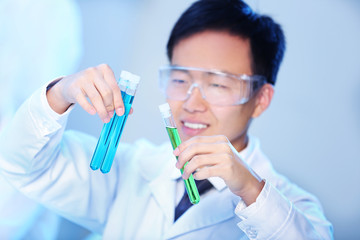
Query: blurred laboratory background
point(311, 132)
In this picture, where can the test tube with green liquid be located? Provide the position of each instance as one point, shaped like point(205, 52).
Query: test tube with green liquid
point(175, 140)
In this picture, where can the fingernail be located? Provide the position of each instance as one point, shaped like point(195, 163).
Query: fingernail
point(92, 111)
point(111, 114)
point(120, 111)
point(106, 120)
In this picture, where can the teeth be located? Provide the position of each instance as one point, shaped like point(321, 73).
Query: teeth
point(195, 125)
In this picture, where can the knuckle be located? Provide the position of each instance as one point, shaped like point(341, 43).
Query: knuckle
point(90, 71)
point(195, 160)
point(114, 87)
point(109, 108)
point(194, 147)
point(104, 66)
point(107, 93)
point(93, 95)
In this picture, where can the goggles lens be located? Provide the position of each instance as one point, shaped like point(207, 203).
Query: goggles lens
point(216, 87)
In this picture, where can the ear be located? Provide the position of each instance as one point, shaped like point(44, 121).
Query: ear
point(263, 99)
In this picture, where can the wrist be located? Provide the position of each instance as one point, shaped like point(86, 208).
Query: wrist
point(252, 191)
point(54, 97)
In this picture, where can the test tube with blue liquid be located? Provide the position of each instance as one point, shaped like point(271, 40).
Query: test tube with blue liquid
point(175, 140)
point(128, 99)
point(101, 158)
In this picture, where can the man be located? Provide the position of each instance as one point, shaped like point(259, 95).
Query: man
point(224, 61)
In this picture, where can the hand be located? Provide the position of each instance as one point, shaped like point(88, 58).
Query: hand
point(98, 84)
point(214, 156)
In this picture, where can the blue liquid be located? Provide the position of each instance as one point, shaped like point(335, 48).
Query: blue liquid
point(104, 141)
point(115, 135)
point(102, 145)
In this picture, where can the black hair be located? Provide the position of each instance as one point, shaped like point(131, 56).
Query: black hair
point(266, 37)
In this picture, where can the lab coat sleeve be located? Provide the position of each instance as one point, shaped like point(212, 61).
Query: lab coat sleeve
point(52, 167)
point(283, 212)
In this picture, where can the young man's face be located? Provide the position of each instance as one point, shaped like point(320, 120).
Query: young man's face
point(195, 116)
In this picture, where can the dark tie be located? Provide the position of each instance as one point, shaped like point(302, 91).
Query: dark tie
point(184, 204)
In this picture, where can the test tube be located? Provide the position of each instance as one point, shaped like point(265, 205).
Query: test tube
point(104, 140)
point(175, 140)
point(118, 127)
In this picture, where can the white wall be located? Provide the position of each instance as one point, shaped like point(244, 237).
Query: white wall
point(311, 131)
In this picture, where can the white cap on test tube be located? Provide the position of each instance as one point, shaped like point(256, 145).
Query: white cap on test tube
point(125, 75)
point(165, 110)
point(135, 78)
point(124, 78)
point(133, 81)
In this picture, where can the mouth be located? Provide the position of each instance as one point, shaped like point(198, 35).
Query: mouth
point(193, 128)
point(195, 125)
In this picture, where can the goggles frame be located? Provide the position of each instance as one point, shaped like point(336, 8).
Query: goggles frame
point(256, 81)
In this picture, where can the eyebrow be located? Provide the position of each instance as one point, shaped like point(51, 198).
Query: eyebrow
point(213, 71)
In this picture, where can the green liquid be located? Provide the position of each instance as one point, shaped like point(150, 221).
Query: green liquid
point(190, 185)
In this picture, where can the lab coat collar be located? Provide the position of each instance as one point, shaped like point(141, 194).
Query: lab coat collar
point(222, 204)
point(211, 210)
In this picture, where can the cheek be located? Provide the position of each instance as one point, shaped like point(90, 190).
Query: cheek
point(231, 120)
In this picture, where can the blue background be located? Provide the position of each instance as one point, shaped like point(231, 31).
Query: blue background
point(311, 132)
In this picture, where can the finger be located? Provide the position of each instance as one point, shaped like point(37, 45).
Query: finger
point(201, 148)
point(207, 172)
point(95, 98)
point(83, 102)
point(201, 161)
point(105, 91)
point(199, 139)
point(109, 77)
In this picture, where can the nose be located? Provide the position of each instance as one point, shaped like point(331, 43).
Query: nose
point(195, 101)
point(191, 88)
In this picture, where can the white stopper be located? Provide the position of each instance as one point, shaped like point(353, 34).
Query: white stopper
point(125, 75)
point(135, 78)
point(165, 110)
point(127, 79)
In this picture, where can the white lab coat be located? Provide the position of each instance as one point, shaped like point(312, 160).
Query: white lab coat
point(136, 200)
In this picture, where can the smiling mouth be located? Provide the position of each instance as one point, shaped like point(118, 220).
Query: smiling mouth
point(195, 125)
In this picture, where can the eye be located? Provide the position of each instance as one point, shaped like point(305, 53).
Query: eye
point(177, 81)
point(216, 85)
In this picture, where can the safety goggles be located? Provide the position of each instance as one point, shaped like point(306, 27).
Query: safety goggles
point(216, 87)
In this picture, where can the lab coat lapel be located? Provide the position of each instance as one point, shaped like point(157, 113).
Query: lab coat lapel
point(161, 173)
point(162, 188)
point(215, 208)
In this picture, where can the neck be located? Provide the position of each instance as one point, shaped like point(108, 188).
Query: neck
point(240, 143)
